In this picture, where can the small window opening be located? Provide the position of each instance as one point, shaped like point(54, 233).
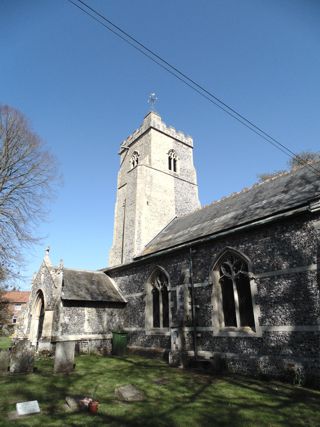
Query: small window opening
point(156, 307)
point(134, 159)
point(172, 161)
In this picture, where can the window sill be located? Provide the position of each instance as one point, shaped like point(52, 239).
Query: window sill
point(158, 331)
point(237, 332)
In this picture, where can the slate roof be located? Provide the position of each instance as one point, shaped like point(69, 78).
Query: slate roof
point(16, 296)
point(276, 195)
point(81, 285)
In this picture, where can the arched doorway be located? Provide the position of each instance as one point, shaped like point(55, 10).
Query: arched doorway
point(37, 318)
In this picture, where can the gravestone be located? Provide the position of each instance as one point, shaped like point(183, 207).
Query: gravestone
point(4, 360)
point(22, 357)
point(28, 408)
point(129, 393)
point(64, 356)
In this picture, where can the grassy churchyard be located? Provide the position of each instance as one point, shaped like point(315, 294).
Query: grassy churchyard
point(5, 343)
point(173, 397)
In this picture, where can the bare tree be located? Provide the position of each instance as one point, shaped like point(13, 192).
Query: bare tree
point(4, 310)
point(301, 159)
point(27, 177)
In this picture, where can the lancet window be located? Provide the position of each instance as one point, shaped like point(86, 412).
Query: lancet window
point(134, 159)
point(159, 300)
point(172, 161)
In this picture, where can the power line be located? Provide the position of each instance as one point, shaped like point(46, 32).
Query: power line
point(133, 42)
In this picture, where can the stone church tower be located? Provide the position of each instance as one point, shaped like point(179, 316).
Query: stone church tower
point(156, 183)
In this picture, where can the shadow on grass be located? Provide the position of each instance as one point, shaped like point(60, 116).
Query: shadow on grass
point(173, 397)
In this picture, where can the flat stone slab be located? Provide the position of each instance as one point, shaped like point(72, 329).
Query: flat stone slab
point(129, 393)
point(72, 403)
point(28, 408)
point(77, 403)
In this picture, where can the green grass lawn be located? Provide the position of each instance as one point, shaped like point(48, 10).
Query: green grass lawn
point(173, 397)
point(5, 343)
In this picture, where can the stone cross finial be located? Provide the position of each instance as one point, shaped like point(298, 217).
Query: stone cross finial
point(152, 100)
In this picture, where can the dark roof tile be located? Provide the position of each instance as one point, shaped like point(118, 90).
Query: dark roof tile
point(276, 195)
point(89, 286)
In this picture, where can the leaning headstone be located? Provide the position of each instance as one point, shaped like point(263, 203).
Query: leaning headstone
point(129, 393)
point(28, 408)
point(64, 357)
point(4, 360)
point(22, 357)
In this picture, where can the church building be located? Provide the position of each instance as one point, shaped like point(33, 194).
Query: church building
point(235, 283)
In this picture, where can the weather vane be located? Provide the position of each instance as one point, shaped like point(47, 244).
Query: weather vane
point(152, 100)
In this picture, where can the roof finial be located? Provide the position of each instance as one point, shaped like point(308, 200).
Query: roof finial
point(152, 100)
point(46, 256)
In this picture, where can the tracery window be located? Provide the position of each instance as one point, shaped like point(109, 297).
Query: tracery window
point(134, 159)
point(235, 291)
point(158, 300)
point(172, 161)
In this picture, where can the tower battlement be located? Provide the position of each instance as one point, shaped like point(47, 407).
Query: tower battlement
point(156, 183)
point(153, 120)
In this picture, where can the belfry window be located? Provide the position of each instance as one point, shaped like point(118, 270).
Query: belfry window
point(235, 291)
point(172, 161)
point(134, 159)
point(159, 301)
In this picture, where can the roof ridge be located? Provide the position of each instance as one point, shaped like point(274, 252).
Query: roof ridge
point(254, 185)
point(81, 270)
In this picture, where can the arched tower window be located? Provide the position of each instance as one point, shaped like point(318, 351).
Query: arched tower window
point(157, 310)
point(235, 300)
point(172, 161)
point(134, 159)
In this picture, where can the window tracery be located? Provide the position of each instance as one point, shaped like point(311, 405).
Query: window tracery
point(172, 161)
point(158, 300)
point(134, 159)
point(235, 292)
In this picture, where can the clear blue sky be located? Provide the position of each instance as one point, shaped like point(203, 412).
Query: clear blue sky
point(84, 91)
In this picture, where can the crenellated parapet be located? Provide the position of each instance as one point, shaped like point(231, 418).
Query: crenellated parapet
point(154, 121)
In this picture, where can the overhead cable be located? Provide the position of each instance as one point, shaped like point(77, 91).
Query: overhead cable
point(205, 93)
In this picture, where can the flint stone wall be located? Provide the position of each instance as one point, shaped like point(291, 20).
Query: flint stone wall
point(285, 263)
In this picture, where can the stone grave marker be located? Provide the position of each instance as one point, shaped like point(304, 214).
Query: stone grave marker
point(129, 393)
point(64, 356)
point(4, 360)
point(22, 357)
point(28, 408)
